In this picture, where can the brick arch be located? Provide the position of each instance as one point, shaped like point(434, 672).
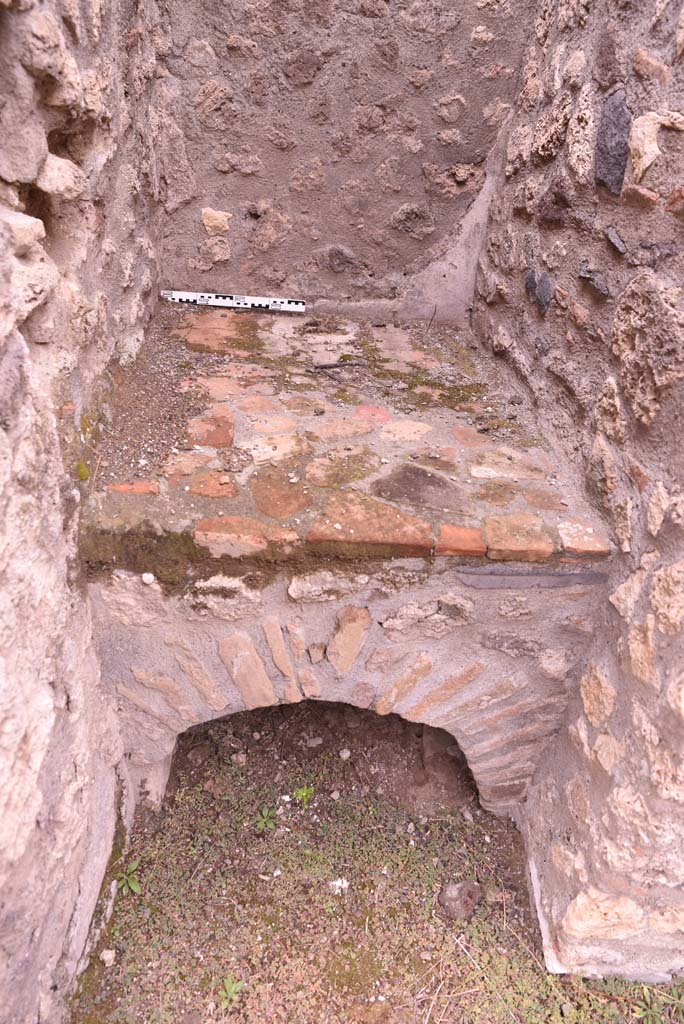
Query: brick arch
point(421, 654)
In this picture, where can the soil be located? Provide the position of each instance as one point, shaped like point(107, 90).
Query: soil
point(297, 864)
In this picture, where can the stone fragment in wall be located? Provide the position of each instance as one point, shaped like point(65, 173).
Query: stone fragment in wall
point(515, 607)
point(606, 63)
point(340, 260)
point(581, 137)
point(512, 644)
point(242, 46)
point(215, 249)
point(450, 108)
point(420, 78)
point(610, 420)
point(455, 180)
point(417, 620)
point(176, 169)
point(675, 202)
point(46, 56)
point(598, 696)
point(625, 597)
point(481, 35)
point(601, 469)
point(272, 226)
point(641, 652)
point(397, 691)
point(350, 634)
point(648, 67)
point(131, 602)
point(413, 220)
point(597, 915)
point(667, 598)
point(658, 505)
point(59, 177)
point(216, 222)
point(247, 671)
point(326, 585)
point(612, 142)
point(224, 597)
point(647, 338)
point(531, 91)
point(643, 138)
point(385, 657)
point(556, 662)
point(545, 18)
point(554, 203)
point(608, 751)
point(302, 67)
point(572, 13)
point(574, 68)
point(550, 130)
point(679, 35)
point(620, 512)
point(675, 695)
point(540, 289)
point(577, 799)
point(200, 54)
point(501, 341)
point(308, 177)
point(495, 112)
point(245, 162)
point(519, 149)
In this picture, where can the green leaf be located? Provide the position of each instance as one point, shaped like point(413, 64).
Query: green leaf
point(120, 884)
point(132, 866)
point(135, 885)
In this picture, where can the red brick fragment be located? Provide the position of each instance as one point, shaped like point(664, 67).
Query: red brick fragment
point(461, 540)
point(637, 195)
point(213, 484)
point(136, 487)
point(521, 537)
point(372, 413)
point(240, 536)
point(213, 429)
point(580, 537)
point(354, 521)
point(675, 202)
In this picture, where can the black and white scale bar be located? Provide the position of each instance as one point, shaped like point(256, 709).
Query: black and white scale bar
point(237, 301)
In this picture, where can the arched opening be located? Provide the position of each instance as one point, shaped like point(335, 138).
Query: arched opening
point(333, 861)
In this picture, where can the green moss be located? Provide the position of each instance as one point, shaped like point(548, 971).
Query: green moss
point(82, 470)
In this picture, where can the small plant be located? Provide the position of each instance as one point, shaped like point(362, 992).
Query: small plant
point(303, 795)
point(266, 819)
point(127, 880)
point(229, 991)
point(82, 471)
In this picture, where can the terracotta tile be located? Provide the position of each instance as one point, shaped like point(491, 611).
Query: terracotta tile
point(182, 464)
point(581, 537)
point(273, 424)
point(372, 413)
point(340, 468)
point(405, 430)
point(213, 484)
point(135, 487)
point(521, 537)
point(461, 540)
point(213, 429)
point(353, 521)
point(276, 495)
point(237, 536)
point(256, 404)
point(469, 437)
point(330, 429)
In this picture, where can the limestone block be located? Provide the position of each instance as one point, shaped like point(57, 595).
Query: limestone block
point(216, 222)
point(641, 652)
point(667, 598)
point(348, 639)
point(598, 696)
point(247, 671)
point(595, 914)
point(62, 178)
point(643, 138)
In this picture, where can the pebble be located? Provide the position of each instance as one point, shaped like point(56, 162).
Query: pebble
point(345, 754)
point(239, 758)
point(148, 578)
point(467, 815)
point(256, 735)
point(314, 741)
point(108, 956)
point(335, 795)
point(459, 899)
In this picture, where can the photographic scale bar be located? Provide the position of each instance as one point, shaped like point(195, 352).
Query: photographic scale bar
point(237, 301)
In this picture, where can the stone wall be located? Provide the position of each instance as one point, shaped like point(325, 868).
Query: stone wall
point(78, 269)
point(579, 291)
point(329, 148)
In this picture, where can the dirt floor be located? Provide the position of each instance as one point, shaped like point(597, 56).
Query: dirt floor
point(294, 875)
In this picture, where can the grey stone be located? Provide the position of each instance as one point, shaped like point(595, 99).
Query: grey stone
point(540, 288)
point(615, 240)
point(595, 280)
point(459, 899)
point(612, 138)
